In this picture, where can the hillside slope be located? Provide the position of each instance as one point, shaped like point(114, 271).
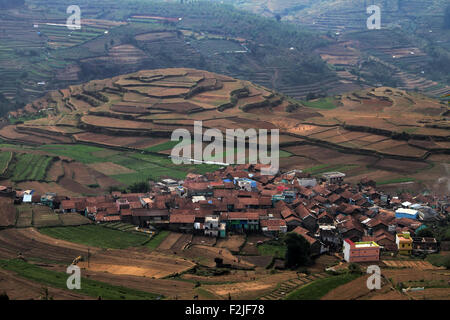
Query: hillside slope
point(384, 132)
point(411, 51)
point(119, 37)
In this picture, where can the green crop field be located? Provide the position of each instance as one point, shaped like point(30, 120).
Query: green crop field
point(147, 166)
point(96, 236)
point(4, 160)
point(89, 287)
point(28, 167)
point(323, 103)
point(317, 289)
point(78, 152)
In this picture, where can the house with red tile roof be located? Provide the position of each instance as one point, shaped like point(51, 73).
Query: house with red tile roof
point(351, 228)
point(273, 226)
point(145, 216)
point(309, 220)
point(182, 222)
point(384, 239)
point(315, 244)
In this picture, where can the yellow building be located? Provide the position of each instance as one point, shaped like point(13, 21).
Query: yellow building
point(404, 243)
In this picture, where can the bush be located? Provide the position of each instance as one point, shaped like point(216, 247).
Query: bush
point(139, 187)
point(446, 262)
point(354, 268)
point(426, 232)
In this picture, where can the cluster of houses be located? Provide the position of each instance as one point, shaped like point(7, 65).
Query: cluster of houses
point(330, 214)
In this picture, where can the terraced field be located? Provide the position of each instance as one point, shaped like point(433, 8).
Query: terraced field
point(23, 167)
point(349, 132)
point(291, 285)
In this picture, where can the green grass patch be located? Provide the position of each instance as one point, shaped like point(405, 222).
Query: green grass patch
point(322, 103)
point(27, 118)
point(96, 236)
point(89, 287)
point(285, 154)
point(272, 249)
point(156, 240)
point(438, 260)
point(317, 289)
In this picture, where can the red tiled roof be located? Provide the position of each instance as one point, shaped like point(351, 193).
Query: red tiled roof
point(265, 201)
point(224, 193)
point(144, 212)
point(268, 192)
point(240, 216)
point(334, 197)
point(273, 224)
point(125, 212)
point(135, 205)
point(68, 204)
point(347, 194)
point(350, 224)
point(292, 218)
point(304, 233)
point(111, 218)
point(321, 190)
point(216, 184)
point(112, 211)
point(287, 212)
point(320, 199)
point(300, 230)
point(182, 218)
point(326, 214)
point(196, 186)
point(303, 212)
point(375, 222)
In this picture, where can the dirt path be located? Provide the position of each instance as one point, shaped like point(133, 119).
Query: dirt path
point(169, 241)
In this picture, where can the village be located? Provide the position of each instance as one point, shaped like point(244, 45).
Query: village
point(333, 216)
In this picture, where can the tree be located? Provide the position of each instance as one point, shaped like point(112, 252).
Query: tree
point(310, 96)
point(298, 251)
point(425, 233)
point(447, 262)
point(139, 187)
point(446, 236)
